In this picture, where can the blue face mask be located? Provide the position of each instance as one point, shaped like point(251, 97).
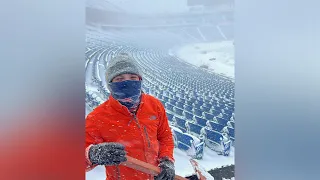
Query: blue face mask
point(126, 92)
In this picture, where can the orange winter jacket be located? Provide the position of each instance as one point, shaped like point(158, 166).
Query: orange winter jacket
point(146, 135)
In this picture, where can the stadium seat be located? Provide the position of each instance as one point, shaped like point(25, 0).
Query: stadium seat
point(215, 126)
point(188, 115)
point(170, 116)
point(213, 136)
point(169, 106)
point(200, 121)
point(188, 108)
point(180, 104)
point(178, 111)
point(222, 121)
point(208, 116)
point(194, 128)
point(198, 112)
point(180, 123)
point(184, 140)
point(231, 132)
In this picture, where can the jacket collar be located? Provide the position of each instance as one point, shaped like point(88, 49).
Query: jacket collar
point(122, 109)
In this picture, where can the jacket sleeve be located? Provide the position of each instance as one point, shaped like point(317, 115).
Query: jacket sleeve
point(166, 144)
point(92, 137)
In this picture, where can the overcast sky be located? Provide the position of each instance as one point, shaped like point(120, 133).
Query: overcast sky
point(142, 6)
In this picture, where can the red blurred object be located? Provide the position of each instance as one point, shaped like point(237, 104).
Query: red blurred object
point(43, 145)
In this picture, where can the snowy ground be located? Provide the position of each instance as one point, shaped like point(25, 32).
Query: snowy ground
point(219, 56)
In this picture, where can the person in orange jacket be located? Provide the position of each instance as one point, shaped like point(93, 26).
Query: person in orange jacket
point(129, 123)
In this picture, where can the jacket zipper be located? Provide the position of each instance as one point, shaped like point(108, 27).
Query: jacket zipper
point(135, 119)
point(118, 172)
point(137, 122)
point(146, 133)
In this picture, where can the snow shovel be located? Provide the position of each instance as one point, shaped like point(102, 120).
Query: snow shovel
point(145, 167)
point(201, 173)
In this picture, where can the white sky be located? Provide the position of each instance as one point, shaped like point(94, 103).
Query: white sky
point(142, 6)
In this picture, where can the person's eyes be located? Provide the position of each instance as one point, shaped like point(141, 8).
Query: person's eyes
point(119, 79)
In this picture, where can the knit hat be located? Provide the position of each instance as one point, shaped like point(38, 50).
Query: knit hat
point(121, 64)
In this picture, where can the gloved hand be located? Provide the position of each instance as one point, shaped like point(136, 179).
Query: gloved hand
point(107, 154)
point(167, 170)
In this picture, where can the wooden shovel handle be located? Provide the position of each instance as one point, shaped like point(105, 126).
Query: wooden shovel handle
point(145, 167)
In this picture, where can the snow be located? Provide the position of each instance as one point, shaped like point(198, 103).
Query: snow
point(94, 91)
point(201, 53)
point(176, 129)
point(210, 160)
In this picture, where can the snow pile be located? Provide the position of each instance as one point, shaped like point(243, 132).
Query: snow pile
point(210, 161)
point(217, 56)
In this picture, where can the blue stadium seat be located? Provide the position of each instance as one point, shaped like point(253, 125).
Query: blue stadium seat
point(189, 103)
point(198, 112)
point(184, 140)
point(227, 116)
point(188, 115)
point(188, 108)
point(232, 124)
point(169, 106)
point(169, 116)
point(178, 111)
point(172, 101)
point(197, 106)
point(181, 123)
point(209, 116)
point(231, 132)
point(180, 104)
point(183, 146)
point(205, 108)
point(216, 126)
point(183, 101)
point(228, 111)
point(200, 102)
point(194, 128)
point(147, 90)
point(192, 100)
point(200, 121)
point(213, 136)
point(215, 112)
point(222, 121)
